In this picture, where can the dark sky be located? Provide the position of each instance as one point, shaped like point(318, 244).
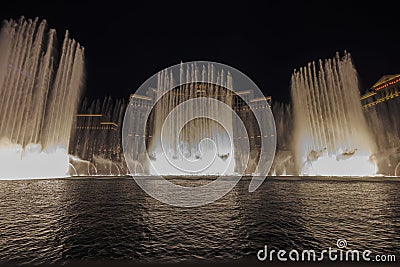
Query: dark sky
point(127, 42)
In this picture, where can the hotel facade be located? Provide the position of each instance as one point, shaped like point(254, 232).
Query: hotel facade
point(381, 106)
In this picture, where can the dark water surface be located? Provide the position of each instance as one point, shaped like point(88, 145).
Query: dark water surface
point(65, 221)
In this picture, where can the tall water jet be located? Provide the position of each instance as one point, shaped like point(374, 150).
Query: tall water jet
point(331, 133)
point(39, 90)
point(200, 139)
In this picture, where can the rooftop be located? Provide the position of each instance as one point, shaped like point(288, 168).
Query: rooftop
point(385, 81)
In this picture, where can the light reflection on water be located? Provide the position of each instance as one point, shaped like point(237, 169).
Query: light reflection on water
point(60, 220)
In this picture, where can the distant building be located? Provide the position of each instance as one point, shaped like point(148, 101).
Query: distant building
point(143, 103)
point(139, 138)
point(381, 105)
point(96, 137)
point(136, 135)
point(91, 132)
point(97, 131)
point(384, 90)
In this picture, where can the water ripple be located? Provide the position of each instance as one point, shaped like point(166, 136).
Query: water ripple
point(61, 221)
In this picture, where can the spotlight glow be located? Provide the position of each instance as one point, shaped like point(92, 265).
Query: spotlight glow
point(357, 165)
point(32, 162)
point(208, 164)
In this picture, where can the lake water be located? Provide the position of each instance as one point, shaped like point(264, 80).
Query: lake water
point(101, 220)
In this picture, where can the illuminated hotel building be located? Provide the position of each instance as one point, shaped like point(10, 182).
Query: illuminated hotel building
point(136, 136)
point(138, 139)
point(143, 103)
point(96, 136)
point(381, 105)
point(385, 90)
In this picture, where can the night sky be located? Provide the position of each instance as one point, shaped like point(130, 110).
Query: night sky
point(126, 43)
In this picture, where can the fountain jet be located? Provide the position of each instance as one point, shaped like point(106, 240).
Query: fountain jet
point(332, 136)
point(39, 91)
point(199, 145)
